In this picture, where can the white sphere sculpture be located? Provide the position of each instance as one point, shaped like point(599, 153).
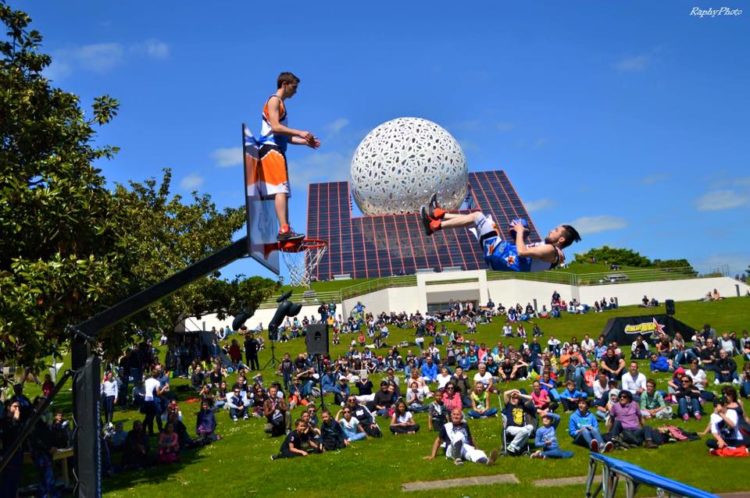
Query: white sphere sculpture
point(402, 162)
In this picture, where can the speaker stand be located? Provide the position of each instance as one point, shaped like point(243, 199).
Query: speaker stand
point(272, 361)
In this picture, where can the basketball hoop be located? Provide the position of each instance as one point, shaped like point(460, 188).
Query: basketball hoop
point(302, 259)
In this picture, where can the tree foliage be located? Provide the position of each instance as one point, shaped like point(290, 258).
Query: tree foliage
point(628, 257)
point(69, 246)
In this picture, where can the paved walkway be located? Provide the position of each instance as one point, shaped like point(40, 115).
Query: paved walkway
point(456, 483)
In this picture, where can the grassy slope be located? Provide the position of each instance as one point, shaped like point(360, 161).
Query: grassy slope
point(239, 465)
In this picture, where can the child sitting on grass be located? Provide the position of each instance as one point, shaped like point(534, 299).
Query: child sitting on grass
point(546, 439)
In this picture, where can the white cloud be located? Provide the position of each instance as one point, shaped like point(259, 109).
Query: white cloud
point(320, 167)
point(191, 182)
point(227, 156)
point(156, 49)
point(742, 182)
point(539, 205)
point(98, 57)
point(335, 127)
point(719, 200)
point(468, 146)
point(633, 64)
point(596, 224)
point(655, 178)
point(101, 57)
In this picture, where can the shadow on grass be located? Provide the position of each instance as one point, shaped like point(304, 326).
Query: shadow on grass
point(153, 474)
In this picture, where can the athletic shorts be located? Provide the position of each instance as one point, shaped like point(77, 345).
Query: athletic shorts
point(485, 227)
point(274, 176)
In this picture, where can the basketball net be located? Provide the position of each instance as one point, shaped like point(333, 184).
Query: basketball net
point(302, 258)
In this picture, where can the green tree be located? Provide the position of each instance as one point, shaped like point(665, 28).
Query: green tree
point(56, 244)
point(159, 235)
point(69, 246)
point(613, 255)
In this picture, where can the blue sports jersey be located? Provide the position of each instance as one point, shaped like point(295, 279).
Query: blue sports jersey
point(502, 255)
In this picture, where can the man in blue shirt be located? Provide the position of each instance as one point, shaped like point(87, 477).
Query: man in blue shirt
point(584, 429)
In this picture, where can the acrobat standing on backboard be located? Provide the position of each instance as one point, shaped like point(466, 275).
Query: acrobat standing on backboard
point(275, 135)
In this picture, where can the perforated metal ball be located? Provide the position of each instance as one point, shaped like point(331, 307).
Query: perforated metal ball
point(402, 162)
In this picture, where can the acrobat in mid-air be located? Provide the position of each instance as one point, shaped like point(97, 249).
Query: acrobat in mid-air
point(503, 255)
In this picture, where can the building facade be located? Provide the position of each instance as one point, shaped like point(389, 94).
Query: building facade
point(386, 245)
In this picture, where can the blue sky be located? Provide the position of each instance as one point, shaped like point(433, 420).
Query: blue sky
point(629, 119)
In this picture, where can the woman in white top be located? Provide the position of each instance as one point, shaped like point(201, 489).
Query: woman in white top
point(443, 377)
point(402, 421)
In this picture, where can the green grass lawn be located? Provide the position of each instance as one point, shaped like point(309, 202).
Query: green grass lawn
point(239, 465)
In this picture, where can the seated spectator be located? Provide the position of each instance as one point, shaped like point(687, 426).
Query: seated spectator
point(517, 418)
point(612, 365)
point(546, 439)
point(364, 416)
point(443, 377)
point(331, 433)
point(277, 413)
point(583, 427)
point(660, 363)
point(639, 349)
point(135, 452)
point(350, 425)
point(169, 445)
point(626, 426)
point(541, 398)
point(634, 381)
point(463, 388)
point(688, 399)
point(745, 380)
point(402, 420)
point(484, 377)
point(383, 400)
point(570, 395)
point(725, 427)
point(238, 405)
point(480, 403)
point(416, 398)
point(726, 369)
point(205, 424)
point(298, 443)
point(438, 412)
point(456, 439)
point(652, 403)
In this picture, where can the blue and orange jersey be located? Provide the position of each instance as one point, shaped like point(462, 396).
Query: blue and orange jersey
point(267, 136)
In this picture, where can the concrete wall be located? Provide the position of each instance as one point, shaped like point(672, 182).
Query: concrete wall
point(436, 287)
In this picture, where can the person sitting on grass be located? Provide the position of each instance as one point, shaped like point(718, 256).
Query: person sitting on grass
point(541, 399)
point(725, 428)
point(438, 412)
point(583, 427)
point(570, 396)
point(480, 403)
point(364, 416)
point(238, 405)
point(626, 424)
point(546, 439)
point(660, 363)
point(402, 420)
point(688, 399)
point(383, 400)
point(169, 445)
point(416, 397)
point(652, 403)
point(353, 429)
point(205, 424)
point(455, 438)
point(331, 433)
point(135, 451)
point(517, 424)
point(276, 412)
point(297, 443)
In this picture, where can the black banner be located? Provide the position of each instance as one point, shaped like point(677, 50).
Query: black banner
point(625, 329)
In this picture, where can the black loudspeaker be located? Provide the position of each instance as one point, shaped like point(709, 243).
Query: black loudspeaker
point(317, 339)
point(669, 303)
